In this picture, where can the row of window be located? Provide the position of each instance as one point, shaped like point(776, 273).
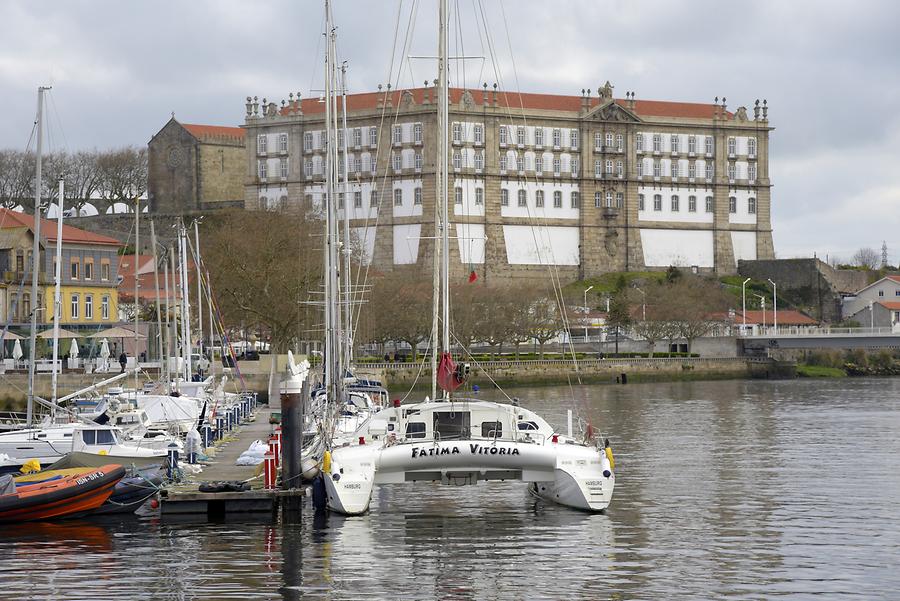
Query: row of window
point(319, 140)
point(674, 144)
point(262, 143)
point(675, 204)
point(88, 306)
point(522, 197)
point(283, 168)
point(85, 270)
point(506, 135)
point(659, 170)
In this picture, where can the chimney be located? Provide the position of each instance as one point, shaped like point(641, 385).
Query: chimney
point(494, 101)
point(426, 99)
point(379, 100)
point(484, 95)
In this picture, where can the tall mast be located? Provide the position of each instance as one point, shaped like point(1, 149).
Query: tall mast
point(173, 333)
point(137, 287)
point(199, 285)
point(159, 321)
point(186, 303)
point(347, 305)
point(441, 212)
point(57, 301)
point(35, 254)
point(332, 321)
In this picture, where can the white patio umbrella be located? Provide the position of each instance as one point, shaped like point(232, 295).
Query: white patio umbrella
point(17, 351)
point(73, 349)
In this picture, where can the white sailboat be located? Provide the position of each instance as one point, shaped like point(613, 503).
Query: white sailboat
point(458, 440)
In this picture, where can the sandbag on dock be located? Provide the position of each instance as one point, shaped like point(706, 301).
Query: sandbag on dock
point(254, 455)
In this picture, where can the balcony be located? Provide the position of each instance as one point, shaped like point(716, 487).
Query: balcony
point(610, 212)
point(612, 149)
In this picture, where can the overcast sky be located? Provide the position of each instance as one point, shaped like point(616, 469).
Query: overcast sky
point(829, 71)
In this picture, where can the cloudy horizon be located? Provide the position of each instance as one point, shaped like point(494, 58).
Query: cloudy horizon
point(119, 70)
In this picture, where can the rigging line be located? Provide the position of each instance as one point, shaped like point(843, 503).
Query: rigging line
point(55, 113)
point(316, 55)
point(419, 373)
point(479, 365)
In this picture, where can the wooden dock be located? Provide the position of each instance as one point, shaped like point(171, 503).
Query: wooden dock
point(184, 498)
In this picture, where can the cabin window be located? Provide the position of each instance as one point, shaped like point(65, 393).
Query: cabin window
point(105, 437)
point(451, 425)
point(491, 429)
point(415, 430)
point(524, 426)
point(89, 436)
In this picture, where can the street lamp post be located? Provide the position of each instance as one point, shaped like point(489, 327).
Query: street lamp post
point(872, 315)
point(643, 303)
point(775, 304)
point(587, 311)
point(762, 301)
point(744, 301)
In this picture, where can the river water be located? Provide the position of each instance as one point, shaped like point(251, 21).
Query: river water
point(734, 489)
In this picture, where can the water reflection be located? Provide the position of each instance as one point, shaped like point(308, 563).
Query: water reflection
point(724, 489)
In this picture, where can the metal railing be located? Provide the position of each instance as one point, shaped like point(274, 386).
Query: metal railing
point(815, 331)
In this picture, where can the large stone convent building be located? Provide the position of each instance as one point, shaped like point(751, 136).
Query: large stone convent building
point(589, 184)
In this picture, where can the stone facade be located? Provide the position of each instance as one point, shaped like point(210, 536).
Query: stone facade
point(195, 167)
point(587, 184)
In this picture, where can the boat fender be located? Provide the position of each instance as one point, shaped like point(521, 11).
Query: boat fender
point(309, 468)
point(326, 462)
point(609, 455)
point(31, 466)
point(319, 496)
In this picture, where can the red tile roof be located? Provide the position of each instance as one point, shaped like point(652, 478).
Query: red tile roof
point(550, 102)
point(147, 290)
point(892, 305)
point(214, 131)
point(785, 318)
point(71, 235)
point(895, 278)
point(126, 264)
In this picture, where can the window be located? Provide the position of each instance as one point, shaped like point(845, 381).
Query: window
point(417, 132)
point(732, 171)
point(457, 195)
point(751, 147)
point(657, 169)
point(732, 146)
point(308, 167)
point(657, 143)
point(307, 142)
point(323, 140)
point(523, 198)
point(479, 160)
point(556, 165)
point(418, 161)
point(398, 134)
point(457, 161)
point(539, 136)
point(282, 147)
point(491, 429)
point(520, 136)
point(692, 144)
point(74, 306)
point(598, 140)
point(692, 170)
point(657, 202)
point(674, 168)
point(539, 164)
point(640, 202)
point(751, 172)
point(574, 166)
point(709, 204)
point(609, 200)
point(20, 262)
point(503, 135)
point(620, 142)
point(709, 145)
point(104, 308)
point(504, 197)
point(341, 168)
point(609, 140)
point(398, 197)
point(574, 200)
point(709, 170)
point(573, 139)
point(88, 306)
point(373, 136)
point(479, 133)
point(357, 137)
point(340, 200)
point(104, 269)
point(751, 205)
point(417, 196)
point(639, 142)
point(503, 162)
point(74, 268)
point(598, 168)
point(397, 160)
point(357, 164)
point(608, 167)
point(88, 269)
point(732, 204)
point(357, 199)
point(692, 204)
point(373, 198)
point(620, 200)
point(520, 163)
point(261, 143)
point(283, 167)
point(479, 196)
point(415, 430)
point(597, 200)
point(457, 133)
point(557, 200)
point(640, 168)
point(340, 138)
point(263, 169)
point(674, 141)
point(675, 203)
point(539, 198)
point(557, 137)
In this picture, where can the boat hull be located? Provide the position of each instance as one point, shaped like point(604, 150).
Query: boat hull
point(67, 496)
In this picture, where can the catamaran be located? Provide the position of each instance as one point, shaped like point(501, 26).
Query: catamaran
point(457, 440)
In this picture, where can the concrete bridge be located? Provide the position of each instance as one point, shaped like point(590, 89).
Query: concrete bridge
point(820, 337)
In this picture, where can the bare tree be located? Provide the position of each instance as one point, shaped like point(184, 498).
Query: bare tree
point(866, 257)
point(17, 179)
point(652, 315)
point(695, 302)
point(545, 321)
point(122, 175)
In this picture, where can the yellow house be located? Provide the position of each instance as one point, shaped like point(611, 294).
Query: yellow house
point(89, 274)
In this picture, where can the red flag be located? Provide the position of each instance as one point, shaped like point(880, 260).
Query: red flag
point(446, 374)
point(473, 276)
